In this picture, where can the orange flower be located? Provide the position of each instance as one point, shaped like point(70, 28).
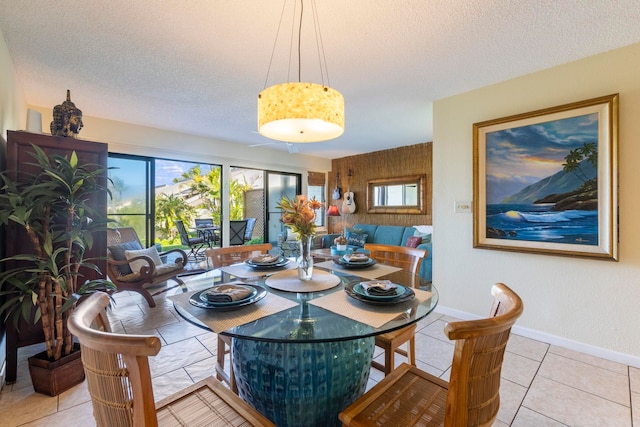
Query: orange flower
point(299, 214)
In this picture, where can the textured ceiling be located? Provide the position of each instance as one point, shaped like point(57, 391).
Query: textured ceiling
point(197, 66)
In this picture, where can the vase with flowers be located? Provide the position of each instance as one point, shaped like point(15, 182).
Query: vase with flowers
point(299, 215)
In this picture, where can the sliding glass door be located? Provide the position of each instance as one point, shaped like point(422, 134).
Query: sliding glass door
point(278, 185)
point(131, 203)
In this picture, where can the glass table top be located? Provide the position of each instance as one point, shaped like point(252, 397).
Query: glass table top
point(307, 322)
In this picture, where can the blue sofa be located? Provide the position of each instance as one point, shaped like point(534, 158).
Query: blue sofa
point(389, 235)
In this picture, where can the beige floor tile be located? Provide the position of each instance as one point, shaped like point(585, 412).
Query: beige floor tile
point(435, 330)
point(635, 404)
point(152, 319)
point(574, 407)
point(75, 396)
point(177, 356)
point(511, 396)
point(591, 360)
point(201, 370)
point(433, 351)
point(527, 347)
point(179, 331)
point(24, 405)
point(169, 383)
point(209, 340)
point(519, 369)
point(76, 416)
point(589, 378)
point(529, 418)
point(634, 379)
point(431, 369)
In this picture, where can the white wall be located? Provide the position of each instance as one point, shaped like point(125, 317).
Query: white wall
point(588, 305)
point(13, 106)
point(141, 140)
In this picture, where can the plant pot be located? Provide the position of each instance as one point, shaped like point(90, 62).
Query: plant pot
point(53, 377)
point(341, 247)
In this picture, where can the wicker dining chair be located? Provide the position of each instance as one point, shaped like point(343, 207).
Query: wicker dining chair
point(120, 385)
point(220, 257)
point(409, 259)
point(409, 396)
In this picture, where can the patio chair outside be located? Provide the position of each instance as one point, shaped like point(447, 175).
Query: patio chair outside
point(251, 222)
point(237, 230)
point(208, 230)
point(195, 244)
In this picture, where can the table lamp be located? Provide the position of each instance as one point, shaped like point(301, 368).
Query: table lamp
point(333, 211)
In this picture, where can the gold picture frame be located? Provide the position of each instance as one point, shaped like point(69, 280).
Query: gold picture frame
point(546, 181)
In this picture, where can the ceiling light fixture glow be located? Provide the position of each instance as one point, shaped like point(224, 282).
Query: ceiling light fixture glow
point(300, 111)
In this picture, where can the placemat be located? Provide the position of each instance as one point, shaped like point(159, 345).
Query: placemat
point(373, 272)
point(220, 321)
point(288, 281)
point(244, 271)
point(373, 315)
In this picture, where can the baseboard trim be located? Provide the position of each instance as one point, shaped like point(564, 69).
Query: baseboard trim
point(603, 353)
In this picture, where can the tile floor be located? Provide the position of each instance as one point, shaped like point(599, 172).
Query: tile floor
point(542, 385)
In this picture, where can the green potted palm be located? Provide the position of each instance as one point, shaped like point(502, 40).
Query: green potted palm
point(50, 209)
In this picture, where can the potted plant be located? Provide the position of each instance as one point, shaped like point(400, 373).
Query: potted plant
point(52, 212)
point(340, 242)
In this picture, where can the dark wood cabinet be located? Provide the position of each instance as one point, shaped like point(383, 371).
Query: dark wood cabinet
point(19, 145)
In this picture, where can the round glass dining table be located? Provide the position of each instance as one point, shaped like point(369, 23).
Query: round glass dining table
point(303, 363)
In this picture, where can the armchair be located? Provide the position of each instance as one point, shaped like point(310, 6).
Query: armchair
point(139, 270)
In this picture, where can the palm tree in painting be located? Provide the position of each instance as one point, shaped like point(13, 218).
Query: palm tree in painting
point(588, 151)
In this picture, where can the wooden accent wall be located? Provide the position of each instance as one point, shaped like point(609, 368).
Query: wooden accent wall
point(396, 162)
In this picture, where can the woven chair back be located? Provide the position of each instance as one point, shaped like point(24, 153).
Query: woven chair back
point(409, 259)
point(220, 257)
point(473, 398)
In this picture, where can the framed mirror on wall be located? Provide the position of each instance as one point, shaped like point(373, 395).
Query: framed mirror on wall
point(404, 195)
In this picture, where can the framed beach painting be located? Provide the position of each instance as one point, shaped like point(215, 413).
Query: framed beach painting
point(546, 181)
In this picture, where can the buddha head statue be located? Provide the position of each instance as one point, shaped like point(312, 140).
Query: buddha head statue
point(67, 119)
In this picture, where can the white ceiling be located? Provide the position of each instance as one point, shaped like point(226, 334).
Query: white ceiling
point(196, 66)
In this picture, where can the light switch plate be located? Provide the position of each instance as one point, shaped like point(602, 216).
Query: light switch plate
point(463, 206)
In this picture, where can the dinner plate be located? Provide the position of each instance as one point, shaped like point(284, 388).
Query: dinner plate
point(354, 265)
point(204, 299)
point(400, 291)
point(407, 295)
point(280, 263)
point(226, 306)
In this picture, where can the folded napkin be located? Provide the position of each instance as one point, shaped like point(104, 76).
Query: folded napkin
point(379, 288)
point(265, 259)
point(227, 293)
point(356, 257)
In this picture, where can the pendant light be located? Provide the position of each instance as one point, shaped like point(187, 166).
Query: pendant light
point(301, 111)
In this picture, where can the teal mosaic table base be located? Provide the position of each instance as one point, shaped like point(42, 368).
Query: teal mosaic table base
point(302, 384)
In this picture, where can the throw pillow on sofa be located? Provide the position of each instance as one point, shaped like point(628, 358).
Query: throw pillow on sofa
point(356, 239)
point(413, 241)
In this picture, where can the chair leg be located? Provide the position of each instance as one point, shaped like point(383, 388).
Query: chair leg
point(412, 352)
point(146, 296)
point(389, 360)
point(224, 348)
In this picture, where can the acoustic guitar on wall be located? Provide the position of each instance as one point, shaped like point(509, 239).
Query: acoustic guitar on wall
point(349, 203)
